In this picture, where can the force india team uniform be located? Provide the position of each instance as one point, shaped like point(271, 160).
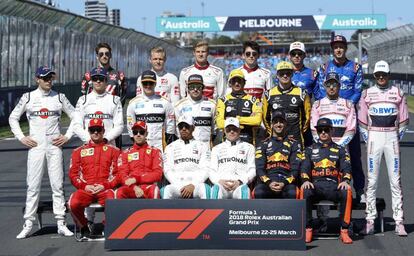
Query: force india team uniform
point(213, 78)
point(325, 167)
point(144, 163)
point(167, 86)
point(350, 74)
point(186, 162)
point(342, 114)
point(246, 108)
point(232, 161)
point(383, 118)
point(43, 111)
point(278, 160)
point(158, 113)
point(92, 164)
point(258, 80)
point(101, 106)
point(203, 112)
point(295, 103)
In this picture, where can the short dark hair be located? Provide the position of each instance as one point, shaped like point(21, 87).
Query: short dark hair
point(252, 44)
point(102, 45)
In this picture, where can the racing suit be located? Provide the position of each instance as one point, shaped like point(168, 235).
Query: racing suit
point(350, 74)
point(258, 80)
point(383, 118)
point(117, 83)
point(43, 111)
point(158, 113)
point(306, 78)
point(203, 112)
point(186, 162)
point(144, 163)
point(342, 114)
point(167, 86)
point(296, 105)
point(278, 160)
point(244, 107)
point(325, 167)
point(213, 78)
point(102, 106)
point(92, 164)
point(232, 161)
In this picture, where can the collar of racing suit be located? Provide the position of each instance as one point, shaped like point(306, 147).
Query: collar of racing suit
point(299, 69)
point(285, 90)
point(160, 73)
point(338, 64)
point(383, 87)
point(250, 69)
point(98, 95)
point(233, 143)
point(326, 145)
point(136, 146)
point(239, 94)
point(197, 66)
point(93, 144)
point(187, 141)
point(43, 92)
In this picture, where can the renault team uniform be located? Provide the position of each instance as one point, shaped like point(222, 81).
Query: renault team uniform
point(43, 111)
point(99, 106)
point(232, 161)
point(203, 113)
point(186, 162)
point(295, 103)
point(246, 108)
point(167, 86)
point(213, 78)
point(158, 114)
point(383, 117)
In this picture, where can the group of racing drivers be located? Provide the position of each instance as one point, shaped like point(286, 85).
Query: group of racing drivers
point(197, 135)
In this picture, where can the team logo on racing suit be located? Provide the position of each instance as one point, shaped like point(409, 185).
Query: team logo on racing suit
point(44, 113)
point(105, 148)
point(112, 76)
point(325, 163)
point(87, 152)
point(133, 156)
point(98, 115)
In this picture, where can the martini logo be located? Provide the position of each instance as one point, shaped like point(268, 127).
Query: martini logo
point(44, 113)
point(98, 115)
point(189, 223)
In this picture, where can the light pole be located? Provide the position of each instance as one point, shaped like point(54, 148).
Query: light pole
point(202, 14)
point(143, 23)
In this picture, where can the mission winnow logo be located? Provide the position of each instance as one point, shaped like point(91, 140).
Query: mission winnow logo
point(189, 223)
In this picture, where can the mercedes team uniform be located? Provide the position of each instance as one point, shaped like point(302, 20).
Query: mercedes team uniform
point(167, 86)
point(213, 78)
point(43, 111)
point(92, 164)
point(342, 114)
point(232, 161)
point(144, 163)
point(278, 160)
point(383, 118)
point(158, 114)
point(186, 162)
point(203, 113)
point(101, 106)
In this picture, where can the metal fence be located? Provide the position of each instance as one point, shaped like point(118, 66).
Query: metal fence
point(32, 34)
point(394, 46)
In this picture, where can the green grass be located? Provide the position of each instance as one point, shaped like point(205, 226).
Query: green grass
point(410, 102)
point(5, 131)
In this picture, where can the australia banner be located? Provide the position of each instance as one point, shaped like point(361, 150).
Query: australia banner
point(269, 23)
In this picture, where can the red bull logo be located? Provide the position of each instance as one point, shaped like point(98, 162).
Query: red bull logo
point(325, 163)
point(278, 157)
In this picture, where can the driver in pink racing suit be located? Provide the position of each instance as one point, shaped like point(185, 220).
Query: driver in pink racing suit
point(383, 118)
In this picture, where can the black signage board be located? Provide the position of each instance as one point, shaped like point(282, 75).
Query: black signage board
point(260, 224)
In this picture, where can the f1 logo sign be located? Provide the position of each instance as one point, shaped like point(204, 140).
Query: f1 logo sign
point(190, 223)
